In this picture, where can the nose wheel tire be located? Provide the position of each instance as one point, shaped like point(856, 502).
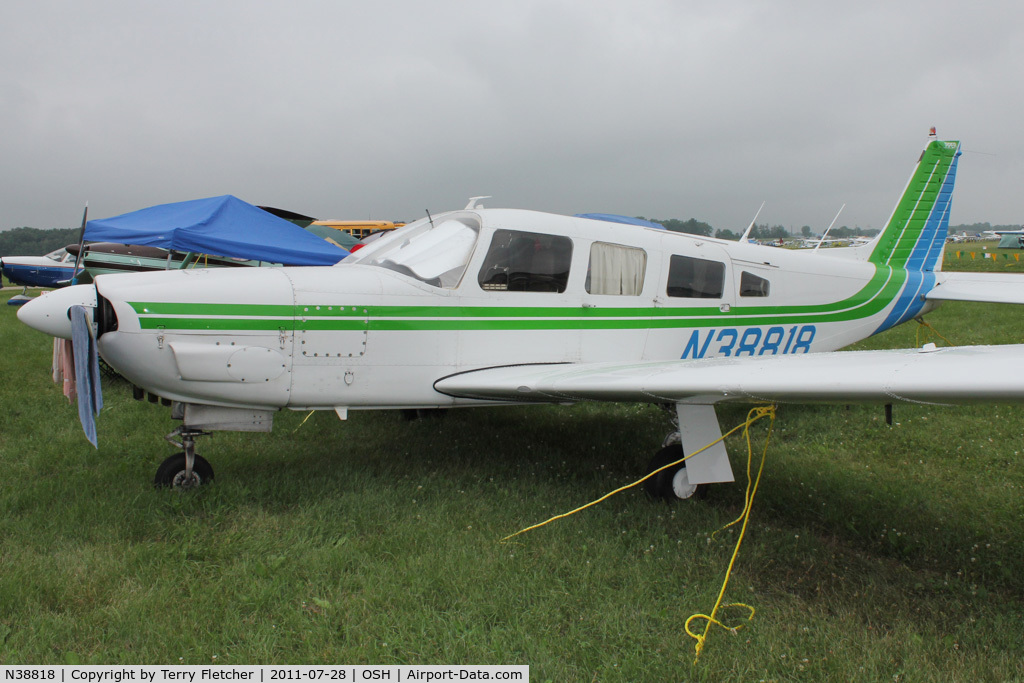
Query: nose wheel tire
point(172, 473)
point(672, 483)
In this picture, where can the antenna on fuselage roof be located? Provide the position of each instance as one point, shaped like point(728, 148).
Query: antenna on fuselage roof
point(746, 233)
point(473, 203)
point(829, 227)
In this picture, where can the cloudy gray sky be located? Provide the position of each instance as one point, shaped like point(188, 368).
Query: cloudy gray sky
point(661, 108)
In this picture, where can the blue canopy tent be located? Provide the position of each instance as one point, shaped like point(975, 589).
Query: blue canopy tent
point(218, 226)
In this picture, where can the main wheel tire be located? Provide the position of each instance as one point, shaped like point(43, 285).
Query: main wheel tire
point(671, 483)
point(171, 473)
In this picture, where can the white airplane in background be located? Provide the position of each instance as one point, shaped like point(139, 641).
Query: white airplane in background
point(496, 306)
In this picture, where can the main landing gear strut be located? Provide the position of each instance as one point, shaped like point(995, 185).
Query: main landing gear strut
point(186, 470)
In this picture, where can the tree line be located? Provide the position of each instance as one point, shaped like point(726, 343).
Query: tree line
point(777, 232)
point(758, 232)
point(36, 242)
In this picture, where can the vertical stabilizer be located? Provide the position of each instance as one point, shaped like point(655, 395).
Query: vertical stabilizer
point(915, 234)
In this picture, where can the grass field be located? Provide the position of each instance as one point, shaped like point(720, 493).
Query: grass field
point(874, 552)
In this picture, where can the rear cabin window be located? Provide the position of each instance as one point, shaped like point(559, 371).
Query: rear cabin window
point(615, 269)
point(526, 262)
point(695, 278)
point(752, 285)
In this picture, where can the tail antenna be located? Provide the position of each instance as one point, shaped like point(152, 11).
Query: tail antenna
point(829, 227)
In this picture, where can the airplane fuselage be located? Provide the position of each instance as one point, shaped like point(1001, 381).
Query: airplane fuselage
point(51, 270)
point(378, 330)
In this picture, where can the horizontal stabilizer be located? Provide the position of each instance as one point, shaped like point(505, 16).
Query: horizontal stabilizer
point(959, 374)
point(996, 288)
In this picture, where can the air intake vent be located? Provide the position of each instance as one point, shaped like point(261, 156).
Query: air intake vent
point(106, 319)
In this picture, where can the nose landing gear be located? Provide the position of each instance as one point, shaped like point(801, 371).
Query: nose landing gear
point(186, 470)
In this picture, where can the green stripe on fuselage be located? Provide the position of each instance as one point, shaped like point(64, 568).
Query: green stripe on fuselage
point(870, 300)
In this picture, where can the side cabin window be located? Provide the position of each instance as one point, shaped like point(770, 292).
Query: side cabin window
point(695, 278)
point(526, 262)
point(615, 269)
point(752, 285)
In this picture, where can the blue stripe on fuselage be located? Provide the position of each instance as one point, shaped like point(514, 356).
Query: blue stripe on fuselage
point(911, 299)
point(37, 276)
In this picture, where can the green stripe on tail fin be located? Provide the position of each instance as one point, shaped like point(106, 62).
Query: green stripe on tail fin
point(917, 229)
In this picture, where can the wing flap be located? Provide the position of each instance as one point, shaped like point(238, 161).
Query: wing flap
point(996, 288)
point(964, 374)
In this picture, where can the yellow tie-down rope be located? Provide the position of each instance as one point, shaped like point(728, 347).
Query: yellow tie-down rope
point(753, 416)
point(748, 501)
point(924, 326)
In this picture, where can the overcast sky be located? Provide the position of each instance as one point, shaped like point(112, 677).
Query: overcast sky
point(660, 108)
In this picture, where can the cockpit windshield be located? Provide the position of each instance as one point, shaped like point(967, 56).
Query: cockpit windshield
point(59, 255)
point(435, 252)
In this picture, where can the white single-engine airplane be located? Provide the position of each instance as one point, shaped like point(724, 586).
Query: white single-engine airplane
point(495, 306)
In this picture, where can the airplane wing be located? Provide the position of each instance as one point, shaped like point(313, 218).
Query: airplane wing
point(996, 288)
point(963, 374)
